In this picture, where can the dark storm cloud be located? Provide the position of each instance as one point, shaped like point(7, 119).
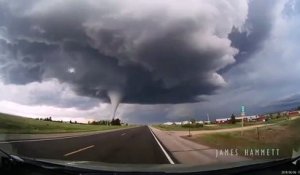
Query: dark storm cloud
point(291, 102)
point(257, 29)
point(157, 53)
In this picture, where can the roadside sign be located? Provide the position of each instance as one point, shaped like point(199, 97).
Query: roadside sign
point(242, 110)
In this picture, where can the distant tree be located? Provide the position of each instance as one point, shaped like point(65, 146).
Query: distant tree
point(278, 115)
point(48, 119)
point(70, 121)
point(298, 108)
point(116, 122)
point(232, 119)
point(198, 125)
point(193, 121)
point(75, 122)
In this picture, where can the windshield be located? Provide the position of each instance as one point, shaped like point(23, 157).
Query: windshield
point(205, 83)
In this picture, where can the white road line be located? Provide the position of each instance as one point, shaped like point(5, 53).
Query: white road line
point(123, 134)
point(82, 149)
point(162, 148)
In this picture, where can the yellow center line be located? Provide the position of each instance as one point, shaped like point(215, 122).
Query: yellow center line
point(82, 149)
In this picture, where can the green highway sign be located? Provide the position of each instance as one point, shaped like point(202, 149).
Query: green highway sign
point(243, 109)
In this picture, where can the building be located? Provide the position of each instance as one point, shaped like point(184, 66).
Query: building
point(293, 113)
point(168, 123)
point(261, 118)
point(222, 120)
point(207, 122)
point(200, 122)
point(186, 122)
point(239, 119)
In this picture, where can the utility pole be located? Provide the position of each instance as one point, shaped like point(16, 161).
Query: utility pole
point(190, 125)
point(191, 114)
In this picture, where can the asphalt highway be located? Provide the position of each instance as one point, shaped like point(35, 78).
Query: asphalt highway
point(133, 146)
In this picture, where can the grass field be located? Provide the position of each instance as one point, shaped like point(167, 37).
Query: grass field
point(215, 126)
point(283, 135)
point(22, 125)
point(205, 127)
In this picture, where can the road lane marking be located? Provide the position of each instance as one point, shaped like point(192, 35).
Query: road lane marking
point(162, 148)
point(123, 134)
point(82, 149)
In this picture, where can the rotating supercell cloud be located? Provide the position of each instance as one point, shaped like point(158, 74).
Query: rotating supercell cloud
point(141, 52)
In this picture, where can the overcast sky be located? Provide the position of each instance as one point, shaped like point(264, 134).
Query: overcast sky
point(160, 60)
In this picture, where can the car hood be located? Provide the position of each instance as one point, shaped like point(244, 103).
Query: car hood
point(167, 168)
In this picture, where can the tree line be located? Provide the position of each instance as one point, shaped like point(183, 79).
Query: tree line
point(49, 119)
point(95, 122)
point(106, 122)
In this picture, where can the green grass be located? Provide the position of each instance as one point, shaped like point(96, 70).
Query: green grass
point(205, 127)
point(22, 125)
point(283, 135)
point(216, 126)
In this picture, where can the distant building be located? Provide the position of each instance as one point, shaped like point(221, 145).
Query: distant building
point(222, 120)
point(262, 118)
point(252, 117)
point(207, 122)
point(284, 113)
point(247, 118)
point(200, 122)
point(293, 113)
point(168, 123)
point(239, 119)
point(186, 122)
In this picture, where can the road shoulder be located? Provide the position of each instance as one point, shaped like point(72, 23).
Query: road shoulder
point(188, 152)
